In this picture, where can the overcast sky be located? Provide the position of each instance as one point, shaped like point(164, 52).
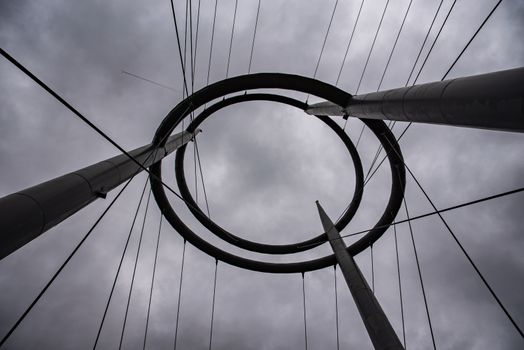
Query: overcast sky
point(264, 166)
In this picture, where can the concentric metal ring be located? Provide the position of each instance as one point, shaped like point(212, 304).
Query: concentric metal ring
point(289, 82)
point(247, 244)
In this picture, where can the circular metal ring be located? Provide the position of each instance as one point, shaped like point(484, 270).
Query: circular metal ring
point(247, 244)
point(289, 82)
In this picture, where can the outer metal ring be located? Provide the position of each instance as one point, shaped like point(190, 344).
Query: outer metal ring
point(289, 82)
point(247, 244)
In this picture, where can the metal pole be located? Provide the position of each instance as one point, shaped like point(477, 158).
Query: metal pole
point(27, 214)
point(488, 101)
point(380, 331)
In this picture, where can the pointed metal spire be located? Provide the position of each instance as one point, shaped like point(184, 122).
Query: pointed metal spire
point(380, 331)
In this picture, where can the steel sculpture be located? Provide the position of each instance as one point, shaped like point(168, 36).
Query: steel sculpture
point(492, 101)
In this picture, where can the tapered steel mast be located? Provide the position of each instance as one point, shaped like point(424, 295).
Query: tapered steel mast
point(27, 214)
point(380, 331)
point(488, 101)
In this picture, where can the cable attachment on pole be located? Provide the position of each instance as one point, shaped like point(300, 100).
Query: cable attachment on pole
point(101, 194)
point(197, 131)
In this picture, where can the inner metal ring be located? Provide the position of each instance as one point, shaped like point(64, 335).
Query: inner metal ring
point(247, 244)
point(289, 82)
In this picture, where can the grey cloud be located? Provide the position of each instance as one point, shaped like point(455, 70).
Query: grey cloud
point(259, 159)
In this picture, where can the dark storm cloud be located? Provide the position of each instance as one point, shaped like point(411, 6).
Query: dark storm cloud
point(264, 168)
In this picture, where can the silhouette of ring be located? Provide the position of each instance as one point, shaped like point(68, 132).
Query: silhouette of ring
point(287, 82)
point(247, 244)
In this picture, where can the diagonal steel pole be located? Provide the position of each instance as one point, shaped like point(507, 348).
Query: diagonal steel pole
point(380, 331)
point(488, 101)
point(27, 214)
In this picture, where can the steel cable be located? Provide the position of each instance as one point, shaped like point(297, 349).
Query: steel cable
point(400, 286)
point(211, 45)
point(454, 62)
point(323, 44)
point(424, 42)
point(420, 276)
point(179, 45)
point(349, 43)
point(180, 291)
point(372, 46)
point(304, 307)
point(325, 39)
point(134, 271)
point(372, 269)
point(476, 201)
point(213, 306)
point(416, 60)
point(150, 81)
point(254, 36)
point(87, 121)
point(336, 306)
point(394, 45)
point(119, 267)
point(466, 254)
point(434, 41)
point(231, 39)
point(202, 178)
point(472, 38)
point(73, 252)
point(152, 282)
